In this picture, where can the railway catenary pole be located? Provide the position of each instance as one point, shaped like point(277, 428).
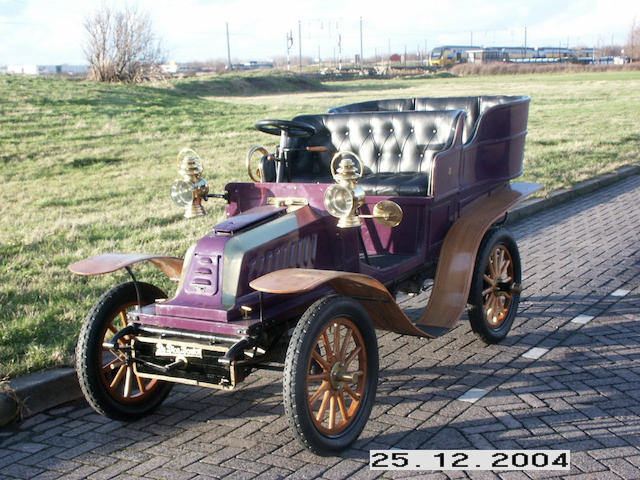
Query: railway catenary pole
point(300, 45)
point(361, 57)
point(228, 48)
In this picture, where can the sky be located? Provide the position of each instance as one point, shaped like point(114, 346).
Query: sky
point(51, 31)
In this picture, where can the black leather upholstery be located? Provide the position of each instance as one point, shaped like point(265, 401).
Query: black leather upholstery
point(468, 104)
point(393, 105)
point(397, 148)
point(473, 106)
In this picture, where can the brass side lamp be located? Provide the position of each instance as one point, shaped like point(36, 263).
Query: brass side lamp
point(192, 189)
point(344, 199)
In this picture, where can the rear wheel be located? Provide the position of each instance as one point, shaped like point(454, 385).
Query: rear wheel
point(495, 288)
point(331, 374)
point(106, 377)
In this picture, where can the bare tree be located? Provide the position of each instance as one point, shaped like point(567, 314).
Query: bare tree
point(121, 46)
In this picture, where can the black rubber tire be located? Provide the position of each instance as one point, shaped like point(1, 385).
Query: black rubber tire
point(89, 347)
point(477, 317)
point(309, 327)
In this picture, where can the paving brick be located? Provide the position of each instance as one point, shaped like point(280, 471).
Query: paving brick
point(582, 394)
point(21, 471)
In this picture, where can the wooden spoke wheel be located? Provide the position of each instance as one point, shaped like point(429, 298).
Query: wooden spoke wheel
point(497, 299)
point(107, 377)
point(117, 375)
point(331, 374)
point(495, 287)
point(336, 376)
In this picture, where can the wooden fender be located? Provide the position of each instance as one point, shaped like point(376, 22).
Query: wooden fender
point(110, 262)
point(451, 284)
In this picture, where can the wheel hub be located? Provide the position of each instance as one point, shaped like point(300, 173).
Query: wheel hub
point(339, 376)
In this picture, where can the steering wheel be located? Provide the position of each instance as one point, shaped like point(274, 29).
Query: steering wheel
point(292, 128)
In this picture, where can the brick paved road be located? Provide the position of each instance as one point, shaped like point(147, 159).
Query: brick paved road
point(581, 311)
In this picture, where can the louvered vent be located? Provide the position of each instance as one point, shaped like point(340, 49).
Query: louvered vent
point(204, 275)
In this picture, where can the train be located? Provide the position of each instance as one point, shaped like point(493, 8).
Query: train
point(449, 55)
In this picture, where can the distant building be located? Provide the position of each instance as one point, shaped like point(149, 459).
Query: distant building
point(171, 67)
point(22, 69)
point(31, 69)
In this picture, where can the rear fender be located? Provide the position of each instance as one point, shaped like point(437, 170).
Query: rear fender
point(110, 262)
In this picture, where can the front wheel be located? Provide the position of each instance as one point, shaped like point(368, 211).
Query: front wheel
point(331, 374)
point(495, 286)
point(107, 378)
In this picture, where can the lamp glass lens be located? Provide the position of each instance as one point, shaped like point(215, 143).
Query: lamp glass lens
point(181, 193)
point(338, 200)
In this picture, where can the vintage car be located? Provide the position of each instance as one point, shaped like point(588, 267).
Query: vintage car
point(352, 207)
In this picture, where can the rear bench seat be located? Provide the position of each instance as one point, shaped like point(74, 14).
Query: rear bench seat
point(474, 106)
point(397, 148)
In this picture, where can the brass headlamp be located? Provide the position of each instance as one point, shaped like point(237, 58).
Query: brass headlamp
point(192, 189)
point(343, 199)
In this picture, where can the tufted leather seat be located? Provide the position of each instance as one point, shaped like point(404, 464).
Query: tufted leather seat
point(393, 105)
point(397, 148)
point(473, 106)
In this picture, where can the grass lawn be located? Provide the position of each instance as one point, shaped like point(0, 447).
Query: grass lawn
point(86, 169)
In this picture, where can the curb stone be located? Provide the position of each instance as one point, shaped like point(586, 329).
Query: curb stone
point(44, 390)
point(41, 391)
point(534, 205)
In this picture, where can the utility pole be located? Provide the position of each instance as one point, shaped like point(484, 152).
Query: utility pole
point(289, 45)
point(228, 48)
point(339, 51)
point(300, 45)
point(471, 38)
point(525, 42)
point(361, 57)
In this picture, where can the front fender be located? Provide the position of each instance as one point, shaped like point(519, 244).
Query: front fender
point(110, 262)
point(372, 295)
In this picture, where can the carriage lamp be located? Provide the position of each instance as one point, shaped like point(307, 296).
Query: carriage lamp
point(192, 189)
point(343, 199)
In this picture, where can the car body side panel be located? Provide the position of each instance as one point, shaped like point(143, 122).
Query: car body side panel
point(451, 284)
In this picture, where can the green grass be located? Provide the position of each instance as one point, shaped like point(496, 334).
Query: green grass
point(86, 169)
